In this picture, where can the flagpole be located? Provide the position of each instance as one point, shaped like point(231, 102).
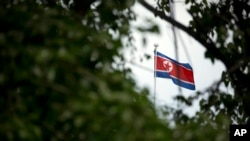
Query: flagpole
point(155, 51)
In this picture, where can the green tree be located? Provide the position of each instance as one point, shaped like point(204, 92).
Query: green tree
point(62, 73)
point(62, 77)
point(222, 27)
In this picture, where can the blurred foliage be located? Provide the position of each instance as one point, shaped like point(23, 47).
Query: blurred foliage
point(62, 75)
point(57, 77)
point(222, 27)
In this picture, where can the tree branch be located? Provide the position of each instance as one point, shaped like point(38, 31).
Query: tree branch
point(208, 44)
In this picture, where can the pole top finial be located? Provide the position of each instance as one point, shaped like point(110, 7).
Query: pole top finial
point(156, 45)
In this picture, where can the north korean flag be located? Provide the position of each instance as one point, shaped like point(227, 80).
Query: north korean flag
point(180, 73)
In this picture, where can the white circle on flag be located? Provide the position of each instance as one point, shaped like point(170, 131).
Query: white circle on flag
point(168, 65)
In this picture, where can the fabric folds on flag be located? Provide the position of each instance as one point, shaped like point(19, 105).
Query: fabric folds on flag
point(180, 73)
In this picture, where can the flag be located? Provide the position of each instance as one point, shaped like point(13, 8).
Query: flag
point(180, 73)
